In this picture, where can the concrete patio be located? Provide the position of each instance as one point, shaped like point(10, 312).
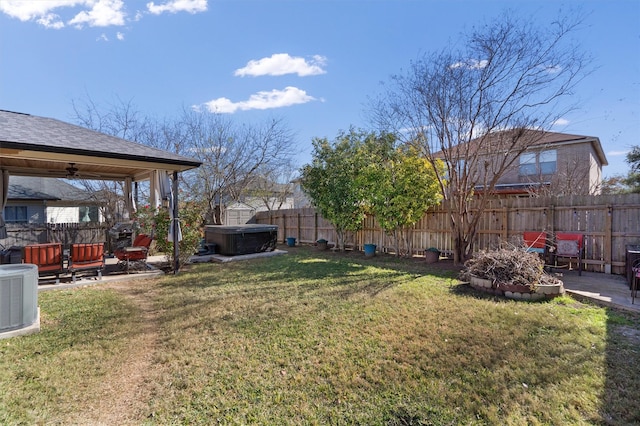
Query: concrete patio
point(604, 289)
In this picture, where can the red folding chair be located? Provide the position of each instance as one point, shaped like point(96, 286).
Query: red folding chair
point(138, 251)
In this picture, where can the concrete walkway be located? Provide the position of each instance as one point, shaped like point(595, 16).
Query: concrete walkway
point(604, 289)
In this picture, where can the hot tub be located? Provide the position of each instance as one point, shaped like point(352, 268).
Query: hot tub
point(242, 239)
point(18, 300)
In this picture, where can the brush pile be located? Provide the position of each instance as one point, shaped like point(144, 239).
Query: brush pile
point(508, 265)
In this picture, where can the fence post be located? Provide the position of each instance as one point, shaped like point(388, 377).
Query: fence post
point(608, 239)
point(298, 226)
point(284, 227)
point(315, 226)
point(505, 223)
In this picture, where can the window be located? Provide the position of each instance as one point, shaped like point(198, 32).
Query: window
point(538, 163)
point(88, 214)
point(15, 214)
point(547, 162)
point(528, 164)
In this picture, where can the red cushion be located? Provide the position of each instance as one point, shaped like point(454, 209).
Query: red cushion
point(534, 239)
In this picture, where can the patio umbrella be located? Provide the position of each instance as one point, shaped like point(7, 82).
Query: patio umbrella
point(130, 203)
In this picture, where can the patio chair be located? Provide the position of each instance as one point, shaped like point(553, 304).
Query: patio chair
point(138, 252)
point(535, 242)
point(569, 246)
point(634, 280)
point(86, 257)
point(48, 257)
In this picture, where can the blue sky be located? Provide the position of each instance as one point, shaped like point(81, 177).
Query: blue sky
point(312, 63)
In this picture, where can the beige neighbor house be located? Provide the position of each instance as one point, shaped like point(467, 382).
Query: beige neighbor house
point(552, 164)
point(241, 212)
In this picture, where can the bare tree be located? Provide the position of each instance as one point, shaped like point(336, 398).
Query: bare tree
point(473, 107)
point(121, 119)
point(232, 156)
point(273, 187)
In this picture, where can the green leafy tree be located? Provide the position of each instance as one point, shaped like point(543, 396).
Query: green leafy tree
point(333, 181)
point(400, 187)
point(614, 185)
point(621, 184)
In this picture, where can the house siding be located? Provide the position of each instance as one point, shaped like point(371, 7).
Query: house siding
point(63, 214)
point(578, 170)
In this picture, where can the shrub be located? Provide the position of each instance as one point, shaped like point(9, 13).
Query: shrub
point(156, 222)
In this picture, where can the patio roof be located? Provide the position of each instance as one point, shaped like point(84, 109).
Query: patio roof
point(40, 146)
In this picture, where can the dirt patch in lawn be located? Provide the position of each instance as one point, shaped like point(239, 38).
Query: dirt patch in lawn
point(127, 390)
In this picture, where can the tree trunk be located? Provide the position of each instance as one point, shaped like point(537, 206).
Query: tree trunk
point(340, 234)
point(217, 215)
point(396, 237)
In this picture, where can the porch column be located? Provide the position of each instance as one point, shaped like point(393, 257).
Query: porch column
point(4, 192)
point(175, 224)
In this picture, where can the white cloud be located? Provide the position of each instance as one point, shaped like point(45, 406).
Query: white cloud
point(102, 37)
point(281, 64)
point(104, 13)
point(175, 6)
point(560, 122)
point(50, 20)
point(553, 69)
point(617, 153)
point(92, 13)
point(31, 10)
point(472, 64)
point(97, 13)
point(261, 100)
point(120, 36)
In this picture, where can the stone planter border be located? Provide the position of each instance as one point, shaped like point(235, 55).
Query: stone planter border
point(542, 291)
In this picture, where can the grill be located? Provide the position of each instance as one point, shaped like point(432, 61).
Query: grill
point(120, 235)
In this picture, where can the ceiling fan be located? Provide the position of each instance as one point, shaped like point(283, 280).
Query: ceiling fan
point(71, 170)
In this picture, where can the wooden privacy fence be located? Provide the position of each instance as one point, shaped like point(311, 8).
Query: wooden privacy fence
point(608, 222)
point(22, 234)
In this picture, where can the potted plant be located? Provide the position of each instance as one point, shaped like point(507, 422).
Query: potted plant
point(370, 250)
point(432, 255)
point(322, 244)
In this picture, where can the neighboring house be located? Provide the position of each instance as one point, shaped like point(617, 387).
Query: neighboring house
point(554, 164)
point(48, 200)
point(299, 196)
point(262, 194)
point(238, 213)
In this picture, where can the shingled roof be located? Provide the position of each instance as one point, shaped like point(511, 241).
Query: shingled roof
point(45, 146)
point(39, 188)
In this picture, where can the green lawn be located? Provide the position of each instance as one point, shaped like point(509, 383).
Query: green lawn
point(327, 338)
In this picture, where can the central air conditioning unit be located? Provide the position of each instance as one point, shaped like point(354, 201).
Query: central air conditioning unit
point(18, 300)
